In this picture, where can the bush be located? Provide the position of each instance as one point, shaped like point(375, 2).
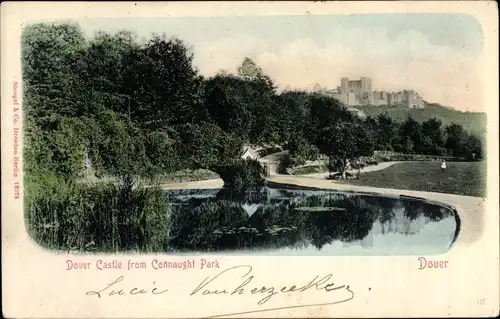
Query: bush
point(301, 150)
point(242, 175)
point(370, 161)
point(58, 150)
point(338, 176)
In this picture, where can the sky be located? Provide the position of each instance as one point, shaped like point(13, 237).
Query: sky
point(438, 55)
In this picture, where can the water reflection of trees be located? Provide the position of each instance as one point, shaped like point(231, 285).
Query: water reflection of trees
point(251, 197)
point(296, 220)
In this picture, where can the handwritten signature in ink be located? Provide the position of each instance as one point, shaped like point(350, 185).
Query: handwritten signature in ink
point(210, 286)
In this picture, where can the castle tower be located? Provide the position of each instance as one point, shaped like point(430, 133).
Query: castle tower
point(410, 98)
point(344, 85)
point(364, 84)
point(390, 98)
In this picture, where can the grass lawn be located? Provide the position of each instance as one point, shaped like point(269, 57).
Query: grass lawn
point(461, 178)
point(309, 170)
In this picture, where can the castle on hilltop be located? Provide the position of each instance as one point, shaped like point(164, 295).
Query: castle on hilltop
point(359, 92)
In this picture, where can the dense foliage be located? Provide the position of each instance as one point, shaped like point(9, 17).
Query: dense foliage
point(121, 110)
point(142, 109)
point(474, 122)
point(242, 175)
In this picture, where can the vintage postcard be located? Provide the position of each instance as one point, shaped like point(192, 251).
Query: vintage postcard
point(240, 159)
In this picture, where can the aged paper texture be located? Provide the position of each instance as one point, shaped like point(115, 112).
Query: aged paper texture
point(238, 159)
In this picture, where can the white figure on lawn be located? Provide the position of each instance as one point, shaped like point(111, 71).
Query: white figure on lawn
point(443, 165)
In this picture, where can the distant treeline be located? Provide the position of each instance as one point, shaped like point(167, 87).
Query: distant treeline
point(472, 122)
point(142, 109)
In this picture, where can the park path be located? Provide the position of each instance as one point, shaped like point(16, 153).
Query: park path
point(470, 209)
point(218, 183)
point(208, 183)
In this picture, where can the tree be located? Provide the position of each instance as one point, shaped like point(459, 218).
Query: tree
point(47, 50)
point(455, 139)
point(161, 152)
point(240, 176)
point(432, 137)
point(249, 70)
point(103, 69)
point(410, 137)
point(163, 86)
point(49, 53)
point(228, 102)
point(324, 111)
point(296, 109)
point(474, 148)
point(372, 126)
point(301, 150)
point(245, 106)
point(268, 125)
point(207, 146)
point(386, 132)
point(342, 141)
point(119, 148)
point(59, 150)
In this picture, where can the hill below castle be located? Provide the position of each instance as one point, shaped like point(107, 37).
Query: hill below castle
point(473, 122)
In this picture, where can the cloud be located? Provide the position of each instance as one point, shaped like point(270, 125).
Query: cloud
point(440, 73)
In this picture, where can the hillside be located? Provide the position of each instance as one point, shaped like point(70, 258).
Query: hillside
point(471, 121)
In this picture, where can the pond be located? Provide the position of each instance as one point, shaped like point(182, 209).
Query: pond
point(308, 223)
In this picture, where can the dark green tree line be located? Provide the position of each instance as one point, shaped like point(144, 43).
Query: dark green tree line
point(142, 109)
